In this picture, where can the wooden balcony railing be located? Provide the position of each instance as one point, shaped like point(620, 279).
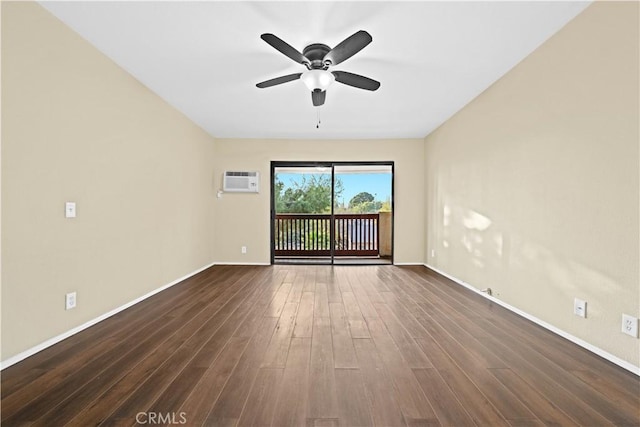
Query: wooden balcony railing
point(357, 234)
point(310, 234)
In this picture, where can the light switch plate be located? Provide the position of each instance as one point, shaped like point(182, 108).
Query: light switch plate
point(70, 209)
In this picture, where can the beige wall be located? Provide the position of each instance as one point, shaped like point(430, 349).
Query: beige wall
point(75, 127)
point(533, 188)
point(243, 219)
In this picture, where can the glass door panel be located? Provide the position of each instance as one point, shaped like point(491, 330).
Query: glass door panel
point(302, 214)
point(363, 213)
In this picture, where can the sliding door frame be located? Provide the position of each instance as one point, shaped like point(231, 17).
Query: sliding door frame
point(326, 164)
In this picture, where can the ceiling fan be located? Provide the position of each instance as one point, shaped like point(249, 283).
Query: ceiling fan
point(317, 58)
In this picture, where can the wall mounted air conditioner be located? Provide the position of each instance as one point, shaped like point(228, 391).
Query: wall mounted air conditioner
point(241, 182)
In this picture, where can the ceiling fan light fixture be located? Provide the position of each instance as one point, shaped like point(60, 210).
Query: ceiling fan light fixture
point(317, 79)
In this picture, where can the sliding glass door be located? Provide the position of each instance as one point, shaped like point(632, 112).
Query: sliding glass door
point(332, 212)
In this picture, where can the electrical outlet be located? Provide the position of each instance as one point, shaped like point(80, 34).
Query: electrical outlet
point(579, 307)
point(70, 209)
point(630, 325)
point(70, 301)
point(243, 249)
point(433, 253)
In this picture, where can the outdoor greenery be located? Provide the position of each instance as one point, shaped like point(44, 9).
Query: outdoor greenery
point(312, 194)
point(365, 203)
point(361, 198)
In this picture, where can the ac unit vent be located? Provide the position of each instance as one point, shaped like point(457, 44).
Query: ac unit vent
point(241, 182)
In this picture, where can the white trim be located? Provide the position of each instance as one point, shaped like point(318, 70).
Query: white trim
point(51, 341)
point(592, 348)
point(407, 263)
point(241, 263)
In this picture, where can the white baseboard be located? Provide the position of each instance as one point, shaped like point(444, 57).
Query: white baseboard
point(600, 352)
point(242, 263)
point(407, 263)
point(48, 343)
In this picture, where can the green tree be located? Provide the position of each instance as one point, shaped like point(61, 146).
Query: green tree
point(386, 205)
point(360, 198)
point(365, 203)
point(278, 187)
point(367, 207)
point(311, 194)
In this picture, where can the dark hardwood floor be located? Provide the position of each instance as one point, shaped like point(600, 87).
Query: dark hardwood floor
point(293, 345)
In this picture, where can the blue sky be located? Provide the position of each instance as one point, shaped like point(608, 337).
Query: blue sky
point(377, 184)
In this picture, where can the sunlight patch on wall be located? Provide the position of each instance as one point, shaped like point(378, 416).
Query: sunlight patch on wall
point(475, 221)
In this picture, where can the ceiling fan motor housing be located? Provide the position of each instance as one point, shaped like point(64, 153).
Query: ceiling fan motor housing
point(315, 53)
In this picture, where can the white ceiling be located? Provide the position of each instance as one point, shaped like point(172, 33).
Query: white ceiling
point(205, 58)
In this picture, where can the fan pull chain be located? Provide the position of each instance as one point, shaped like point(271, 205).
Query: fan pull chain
point(318, 124)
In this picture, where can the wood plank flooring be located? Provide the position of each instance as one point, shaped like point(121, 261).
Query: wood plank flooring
point(293, 345)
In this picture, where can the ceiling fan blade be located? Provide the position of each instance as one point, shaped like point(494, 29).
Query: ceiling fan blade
point(279, 80)
point(356, 80)
point(282, 46)
point(348, 47)
point(318, 96)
